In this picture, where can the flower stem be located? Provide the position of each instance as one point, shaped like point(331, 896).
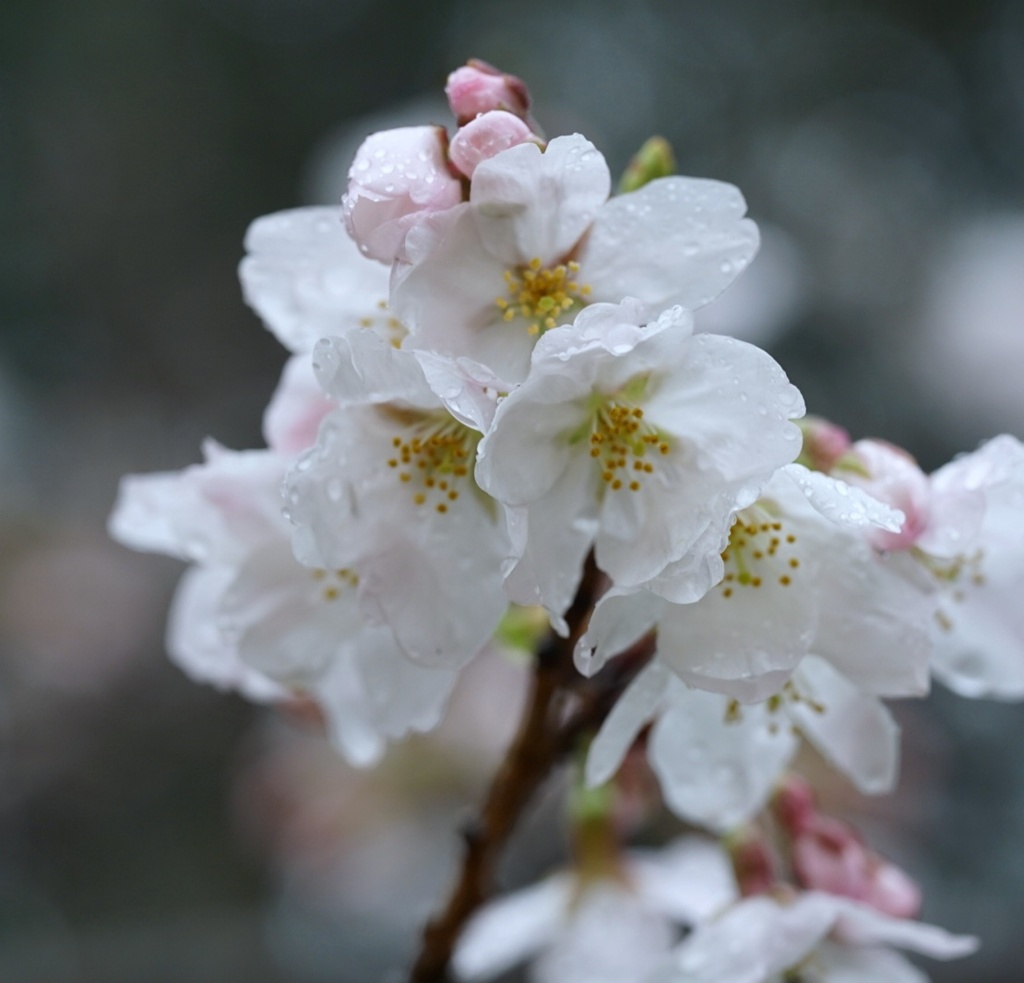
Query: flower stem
point(539, 745)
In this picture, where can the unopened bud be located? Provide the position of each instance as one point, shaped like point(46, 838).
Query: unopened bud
point(794, 805)
point(653, 160)
point(481, 138)
point(824, 443)
point(480, 88)
point(752, 863)
point(397, 176)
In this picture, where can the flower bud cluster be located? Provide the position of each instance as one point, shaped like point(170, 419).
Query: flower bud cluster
point(400, 176)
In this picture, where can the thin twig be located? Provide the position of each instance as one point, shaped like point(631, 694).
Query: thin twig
point(538, 746)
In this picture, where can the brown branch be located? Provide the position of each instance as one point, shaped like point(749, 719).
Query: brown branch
point(538, 746)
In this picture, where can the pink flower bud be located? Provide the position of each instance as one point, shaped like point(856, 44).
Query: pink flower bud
point(481, 138)
point(397, 176)
point(831, 857)
point(753, 864)
point(824, 443)
point(794, 805)
point(478, 88)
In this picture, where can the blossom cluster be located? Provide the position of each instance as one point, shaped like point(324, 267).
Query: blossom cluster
point(494, 383)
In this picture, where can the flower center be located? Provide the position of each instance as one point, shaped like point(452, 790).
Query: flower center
point(434, 457)
point(333, 582)
point(759, 549)
point(542, 295)
point(622, 440)
point(790, 694)
point(959, 575)
point(386, 325)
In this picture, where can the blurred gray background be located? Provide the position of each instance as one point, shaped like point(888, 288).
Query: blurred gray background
point(153, 830)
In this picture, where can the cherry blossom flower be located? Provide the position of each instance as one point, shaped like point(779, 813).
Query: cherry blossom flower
point(803, 937)
point(539, 239)
point(388, 490)
point(615, 928)
point(808, 625)
point(965, 533)
point(205, 515)
point(638, 440)
point(248, 616)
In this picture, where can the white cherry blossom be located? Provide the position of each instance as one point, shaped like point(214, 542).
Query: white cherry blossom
point(809, 936)
point(637, 440)
point(388, 489)
point(808, 625)
point(605, 929)
point(966, 535)
point(248, 616)
point(794, 576)
point(539, 239)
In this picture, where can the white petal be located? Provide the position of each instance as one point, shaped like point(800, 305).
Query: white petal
point(853, 730)
point(980, 628)
point(618, 621)
point(528, 447)
point(443, 608)
point(978, 645)
point(402, 696)
point(731, 403)
point(511, 929)
point(530, 203)
point(361, 367)
point(559, 530)
point(844, 964)
point(372, 693)
point(859, 924)
point(293, 416)
point(306, 278)
point(677, 240)
point(690, 880)
point(741, 639)
point(467, 389)
point(749, 944)
point(876, 617)
point(874, 611)
point(611, 937)
point(714, 773)
point(212, 512)
point(342, 697)
point(198, 646)
point(627, 718)
point(842, 503)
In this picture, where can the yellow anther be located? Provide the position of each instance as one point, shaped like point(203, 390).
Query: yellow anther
point(541, 295)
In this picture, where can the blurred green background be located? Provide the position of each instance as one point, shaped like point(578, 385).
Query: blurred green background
point(153, 830)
